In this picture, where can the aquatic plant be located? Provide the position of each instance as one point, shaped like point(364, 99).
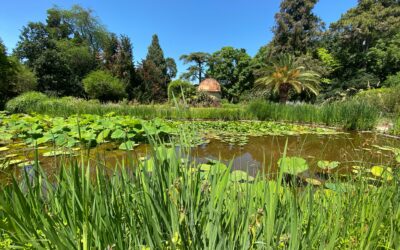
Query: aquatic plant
point(176, 207)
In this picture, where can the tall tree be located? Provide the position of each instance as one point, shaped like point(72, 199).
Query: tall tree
point(153, 75)
point(171, 68)
point(155, 54)
point(7, 72)
point(62, 50)
point(196, 71)
point(232, 68)
point(364, 32)
point(297, 29)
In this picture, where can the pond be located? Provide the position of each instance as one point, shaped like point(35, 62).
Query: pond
point(259, 153)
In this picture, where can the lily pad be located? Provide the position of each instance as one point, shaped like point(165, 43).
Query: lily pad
point(26, 164)
point(11, 156)
point(383, 172)
point(56, 153)
point(129, 145)
point(240, 176)
point(328, 165)
point(293, 165)
point(314, 182)
point(2, 149)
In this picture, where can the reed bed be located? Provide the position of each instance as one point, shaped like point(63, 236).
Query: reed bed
point(350, 115)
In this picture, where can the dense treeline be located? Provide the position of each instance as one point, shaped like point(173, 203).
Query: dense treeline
point(72, 54)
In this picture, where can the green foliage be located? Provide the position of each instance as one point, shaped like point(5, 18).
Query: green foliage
point(197, 70)
point(152, 206)
point(104, 87)
point(232, 69)
point(7, 72)
point(392, 80)
point(396, 128)
point(384, 58)
point(54, 74)
point(297, 27)
point(153, 74)
point(285, 75)
point(351, 115)
point(25, 102)
point(24, 79)
point(366, 37)
point(386, 100)
point(179, 89)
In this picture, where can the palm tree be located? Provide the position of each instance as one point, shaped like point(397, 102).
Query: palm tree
point(285, 75)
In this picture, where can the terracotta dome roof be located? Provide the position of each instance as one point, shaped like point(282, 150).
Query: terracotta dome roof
point(209, 85)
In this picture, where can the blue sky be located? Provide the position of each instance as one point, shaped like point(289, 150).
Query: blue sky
point(183, 26)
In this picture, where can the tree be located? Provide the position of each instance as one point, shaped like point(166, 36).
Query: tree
point(285, 75)
point(196, 71)
point(154, 74)
point(155, 54)
point(55, 75)
point(151, 83)
point(297, 29)
point(7, 72)
point(179, 88)
point(103, 86)
point(24, 80)
point(363, 32)
point(171, 68)
point(232, 68)
point(33, 41)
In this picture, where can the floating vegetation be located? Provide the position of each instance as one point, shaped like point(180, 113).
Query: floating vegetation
point(293, 165)
point(386, 173)
point(328, 165)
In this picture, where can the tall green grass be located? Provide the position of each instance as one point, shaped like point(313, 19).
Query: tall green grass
point(174, 207)
point(396, 127)
point(29, 103)
point(352, 115)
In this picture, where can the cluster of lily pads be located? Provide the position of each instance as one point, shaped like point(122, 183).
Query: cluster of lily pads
point(238, 132)
point(296, 166)
point(65, 135)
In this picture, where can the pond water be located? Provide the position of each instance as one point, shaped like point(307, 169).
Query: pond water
point(260, 153)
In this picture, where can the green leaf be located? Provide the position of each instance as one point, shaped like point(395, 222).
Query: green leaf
point(293, 165)
point(328, 165)
point(56, 153)
point(240, 176)
point(118, 134)
point(2, 149)
point(383, 172)
point(103, 135)
point(129, 145)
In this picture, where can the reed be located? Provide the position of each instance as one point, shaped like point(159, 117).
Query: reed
point(350, 115)
point(173, 206)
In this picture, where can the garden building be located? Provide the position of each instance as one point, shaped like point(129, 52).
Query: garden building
point(211, 87)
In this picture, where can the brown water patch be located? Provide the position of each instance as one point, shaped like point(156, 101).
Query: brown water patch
point(349, 149)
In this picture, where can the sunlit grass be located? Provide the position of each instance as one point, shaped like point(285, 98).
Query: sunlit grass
point(175, 206)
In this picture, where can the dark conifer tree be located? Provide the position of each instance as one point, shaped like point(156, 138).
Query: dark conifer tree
point(297, 28)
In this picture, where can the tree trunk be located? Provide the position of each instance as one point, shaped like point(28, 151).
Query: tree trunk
point(284, 93)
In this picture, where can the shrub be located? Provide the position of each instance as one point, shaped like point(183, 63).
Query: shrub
point(24, 79)
point(393, 80)
point(203, 99)
point(178, 88)
point(103, 86)
point(24, 102)
point(385, 99)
